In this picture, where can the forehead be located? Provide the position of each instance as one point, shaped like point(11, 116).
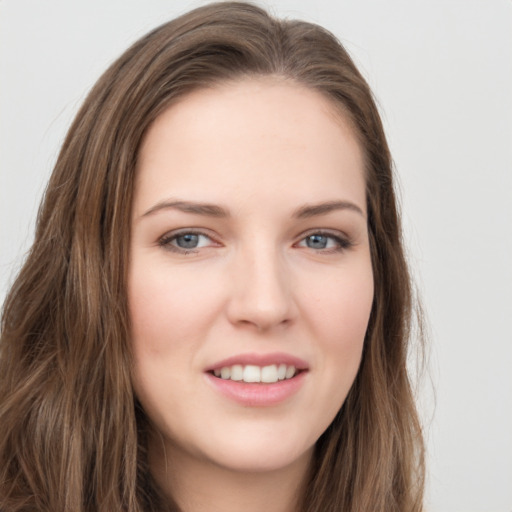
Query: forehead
point(251, 137)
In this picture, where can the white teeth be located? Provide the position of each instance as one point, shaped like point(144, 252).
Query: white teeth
point(237, 372)
point(252, 373)
point(269, 373)
point(290, 372)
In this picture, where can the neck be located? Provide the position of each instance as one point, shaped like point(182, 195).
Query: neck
point(198, 485)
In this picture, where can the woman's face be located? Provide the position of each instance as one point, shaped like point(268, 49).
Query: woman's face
point(249, 261)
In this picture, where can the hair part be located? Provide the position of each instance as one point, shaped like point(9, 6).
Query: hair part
point(73, 435)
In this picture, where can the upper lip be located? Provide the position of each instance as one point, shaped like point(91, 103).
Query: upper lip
point(260, 360)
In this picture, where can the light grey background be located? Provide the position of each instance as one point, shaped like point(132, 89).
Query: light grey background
point(442, 73)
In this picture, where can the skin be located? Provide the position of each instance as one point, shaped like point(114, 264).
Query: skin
point(261, 149)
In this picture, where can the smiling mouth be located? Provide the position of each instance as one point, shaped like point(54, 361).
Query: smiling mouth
point(249, 373)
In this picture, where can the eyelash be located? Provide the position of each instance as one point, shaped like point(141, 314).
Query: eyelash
point(342, 243)
point(166, 241)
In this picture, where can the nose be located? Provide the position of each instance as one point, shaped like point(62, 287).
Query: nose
point(261, 290)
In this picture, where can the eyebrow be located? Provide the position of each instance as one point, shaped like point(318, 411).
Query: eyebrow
point(213, 210)
point(205, 209)
point(307, 211)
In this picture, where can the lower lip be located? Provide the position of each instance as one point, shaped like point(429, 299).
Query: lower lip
point(258, 394)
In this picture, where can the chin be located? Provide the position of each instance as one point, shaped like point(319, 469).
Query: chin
point(258, 455)
point(256, 461)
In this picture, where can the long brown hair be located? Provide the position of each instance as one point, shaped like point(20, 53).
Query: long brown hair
point(73, 436)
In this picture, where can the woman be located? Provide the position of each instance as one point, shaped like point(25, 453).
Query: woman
point(215, 310)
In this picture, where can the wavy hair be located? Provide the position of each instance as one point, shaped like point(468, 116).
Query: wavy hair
point(73, 436)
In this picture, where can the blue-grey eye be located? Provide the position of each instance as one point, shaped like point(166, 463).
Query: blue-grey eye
point(187, 240)
point(317, 241)
point(325, 242)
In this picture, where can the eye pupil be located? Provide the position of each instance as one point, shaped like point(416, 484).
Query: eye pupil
point(317, 241)
point(187, 241)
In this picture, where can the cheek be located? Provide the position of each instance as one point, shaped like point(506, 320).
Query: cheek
point(166, 307)
point(171, 314)
point(339, 310)
point(161, 318)
point(164, 325)
point(340, 304)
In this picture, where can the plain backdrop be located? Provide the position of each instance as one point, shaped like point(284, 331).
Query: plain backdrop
point(442, 73)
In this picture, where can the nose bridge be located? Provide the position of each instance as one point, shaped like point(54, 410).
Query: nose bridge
point(261, 286)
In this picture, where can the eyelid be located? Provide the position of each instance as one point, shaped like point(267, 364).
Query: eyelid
point(342, 239)
point(165, 240)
